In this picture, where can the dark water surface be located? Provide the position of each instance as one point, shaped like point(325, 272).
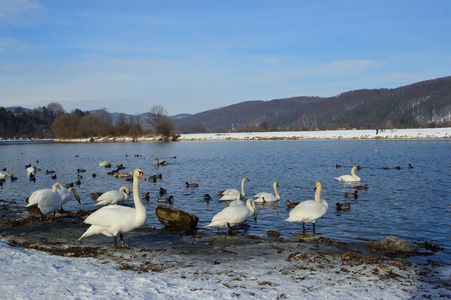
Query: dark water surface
point(409, 203)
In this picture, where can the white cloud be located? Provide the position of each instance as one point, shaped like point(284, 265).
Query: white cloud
point(14, 11)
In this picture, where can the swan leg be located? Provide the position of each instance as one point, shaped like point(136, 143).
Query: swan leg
point(230, 229)
point(313, 228)
point(122, 241)
point(42, 216)
point(115, 242)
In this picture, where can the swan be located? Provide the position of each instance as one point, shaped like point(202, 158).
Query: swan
point(309, 211)
point(268, 197)
point(33, 200)
point(231, 194)
point(114, 220)
point(157, 161)
point(351, 177)
point(104, 163)
point(234, 214)
point(3, 175)
point(113, 197)
point(68, 195)
point(31, 170)
point(47, 200)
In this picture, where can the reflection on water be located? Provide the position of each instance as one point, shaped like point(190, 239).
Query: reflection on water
point(409, 203)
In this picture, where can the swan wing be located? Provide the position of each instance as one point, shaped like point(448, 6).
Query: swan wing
point(111, 197)
point(108, 215)
point(50, 203)
point(36, 195)
point(265, 197)
point(307, 211)
point(232, 215)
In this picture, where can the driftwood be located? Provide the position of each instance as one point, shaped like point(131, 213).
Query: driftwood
point(175, 218)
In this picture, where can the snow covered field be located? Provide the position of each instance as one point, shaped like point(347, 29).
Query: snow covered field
point(290, 274)
point(417, 133)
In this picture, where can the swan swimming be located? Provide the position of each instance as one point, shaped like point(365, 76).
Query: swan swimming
point(47, 200)
point(232, 194)
point(349, 178)
point(234, 214)
point(113, 197)
point(104, 163)
point(3, 175)
point(265, 197)
point(114, 220)
point(309, 211)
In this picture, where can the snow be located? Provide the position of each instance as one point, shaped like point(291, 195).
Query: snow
point(417, 133)
point(290, 274)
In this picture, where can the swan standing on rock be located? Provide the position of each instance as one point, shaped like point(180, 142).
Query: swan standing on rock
point(349, 178)
point(233, 215)
point(114, 220)
point(232, 194)
point(309, 211)
point(47, 200)
point(265, 197)
point(113, 197)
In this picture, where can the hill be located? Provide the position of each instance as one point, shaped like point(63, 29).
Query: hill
point(422, 104)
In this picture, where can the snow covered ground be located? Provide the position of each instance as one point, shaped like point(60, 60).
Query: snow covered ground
point(417, 133)
point(144, 274)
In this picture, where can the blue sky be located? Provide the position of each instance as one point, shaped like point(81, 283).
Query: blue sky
point(192, 56)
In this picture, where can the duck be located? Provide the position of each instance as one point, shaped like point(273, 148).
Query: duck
point(309, 211)
point(410, 166)
point(156, 161)
point(362, 187)
point(81, 170)
point(123, 174)
point(113, 197)
point(96, 195)
point(207, 197)
point(162, 191)
point(49, 172)
point(79, 176)
point(154, 178)
point(47, 200)
point(231, 194)
point(54, 177)
point(146, 196)
point(32, 177)
point(265, 197)
point(342, 207)
point(94, 175)
point(104, 163)
point(191, 184)
point(169, 199)
point(337, 166)
point(354, 194)
point(349, 178)
point(398, 168)
point(289, 204)
point(234, 215)
point(5, 174)
point(114, 220)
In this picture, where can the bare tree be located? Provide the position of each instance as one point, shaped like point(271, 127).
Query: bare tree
point(121, 119)
point(55, 109)
point(159, 121)
point(105, 115)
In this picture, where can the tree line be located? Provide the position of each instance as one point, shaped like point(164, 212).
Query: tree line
point(52, 121)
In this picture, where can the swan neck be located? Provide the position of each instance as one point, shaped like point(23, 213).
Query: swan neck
point(353, 174)
point(318, 194)
point(242, 187)
point(136, 199)
point(275, 191)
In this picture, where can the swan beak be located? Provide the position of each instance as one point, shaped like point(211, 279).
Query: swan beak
point(142, 176)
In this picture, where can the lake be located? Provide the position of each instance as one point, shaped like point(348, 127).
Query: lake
point(414, 204)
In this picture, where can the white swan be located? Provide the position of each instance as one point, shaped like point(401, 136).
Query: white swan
point(309, 211)
point(114, 220)
point(349, 178)
point(113, 197)
point(41, 193)
point(104, 163)
point(31, 170)
point(68, 195)
point(265, 197)
point(233, 215)
point(48, 201)
point(3, 175)
point(232, 194)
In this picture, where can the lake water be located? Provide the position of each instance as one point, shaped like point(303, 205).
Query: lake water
point(409, 203)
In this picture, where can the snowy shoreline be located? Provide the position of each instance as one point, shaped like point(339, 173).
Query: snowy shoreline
point(416, 133)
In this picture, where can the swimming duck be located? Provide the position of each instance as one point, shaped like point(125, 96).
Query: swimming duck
point(342, 207)
point(351, 194)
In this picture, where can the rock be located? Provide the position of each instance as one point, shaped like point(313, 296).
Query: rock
point(392, 243)
point(175, 218)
